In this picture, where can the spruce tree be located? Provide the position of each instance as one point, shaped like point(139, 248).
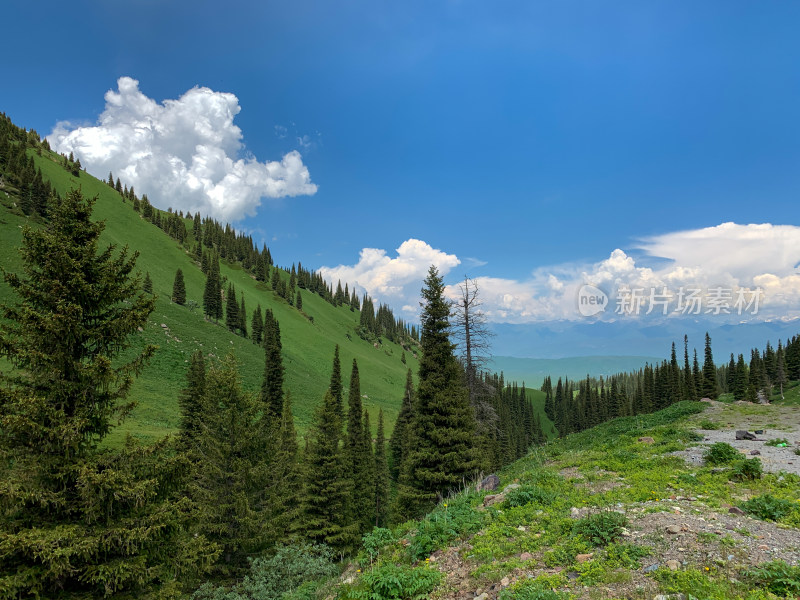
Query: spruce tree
point(272, 382)
point(179, 288)
point(286, 507)
point(231, 309)
point(399, 439)
point(709, 373)
point(212, 296)
point(381, 488)
point(299, 301)
point(242, 318)
point(190, 400)
point(257, 326)
point(78, 520)
point(327, 514)
point(336, 384)
point(440, 448)
point(147, 286)
point(232, 474)
point(358, 455)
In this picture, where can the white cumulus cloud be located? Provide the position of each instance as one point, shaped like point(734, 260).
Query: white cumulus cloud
point(395, 280)
point(182, 153)
point(730, 256)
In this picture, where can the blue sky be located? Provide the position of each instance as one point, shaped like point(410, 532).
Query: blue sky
point(534, 137)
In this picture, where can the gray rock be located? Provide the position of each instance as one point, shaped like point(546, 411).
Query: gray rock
point(744, 435)
point(493, 499)
point(651, 568)
point(488, 484)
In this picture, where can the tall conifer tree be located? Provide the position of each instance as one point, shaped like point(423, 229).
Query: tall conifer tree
point(232, 476)
point(191, 398)
point(440, 449)
point(399, 437)
point(74, 521)
point(710, 389)
point(336, 384)
point(179, 288)
point(272, 383)
point(381, 489)
point(327, 516)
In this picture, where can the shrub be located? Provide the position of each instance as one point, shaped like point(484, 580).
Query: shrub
point(777, 442)
point(768, 508)
point(721, 454)
point(708, 424)
point(529, 494)
point(746, 469)
point(375, 541)
point(602, 528)
point(289, 573)
point(442, 526)
point(625, 555)
point(393, 582)
point(531, 590)
point(779, 578)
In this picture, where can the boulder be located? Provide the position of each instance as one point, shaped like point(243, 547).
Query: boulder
point(493, 499)
point(488, 484)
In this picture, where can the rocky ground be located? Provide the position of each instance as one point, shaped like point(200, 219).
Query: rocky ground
point(682, 531)
point(773, 421)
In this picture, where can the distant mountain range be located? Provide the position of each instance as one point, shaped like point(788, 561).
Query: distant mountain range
point(532, 371)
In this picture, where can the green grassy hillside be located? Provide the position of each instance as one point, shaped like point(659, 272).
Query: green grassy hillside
point(178, 331)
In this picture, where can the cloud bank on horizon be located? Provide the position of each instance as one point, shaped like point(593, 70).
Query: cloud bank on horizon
point(729, 256)
point(182, 153)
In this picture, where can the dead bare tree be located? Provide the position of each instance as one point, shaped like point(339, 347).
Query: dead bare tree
point(472, 335)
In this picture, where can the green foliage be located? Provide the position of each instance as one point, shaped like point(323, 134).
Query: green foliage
point(600, 529)
point(394, 582)
point(625, 556)
point(530, 494)
point(375, 541)
point(449, 522)
point(721, 454)
point(768, 507)
point(746, 469)
point(532, 590)
point(778, 577)
point(293, 572)
point(776, 442)
point(708, 424)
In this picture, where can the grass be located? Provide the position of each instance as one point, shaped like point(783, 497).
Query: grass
point(307, 346)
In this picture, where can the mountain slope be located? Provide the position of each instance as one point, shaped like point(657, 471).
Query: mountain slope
point(307, 345)
point(614, 512)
